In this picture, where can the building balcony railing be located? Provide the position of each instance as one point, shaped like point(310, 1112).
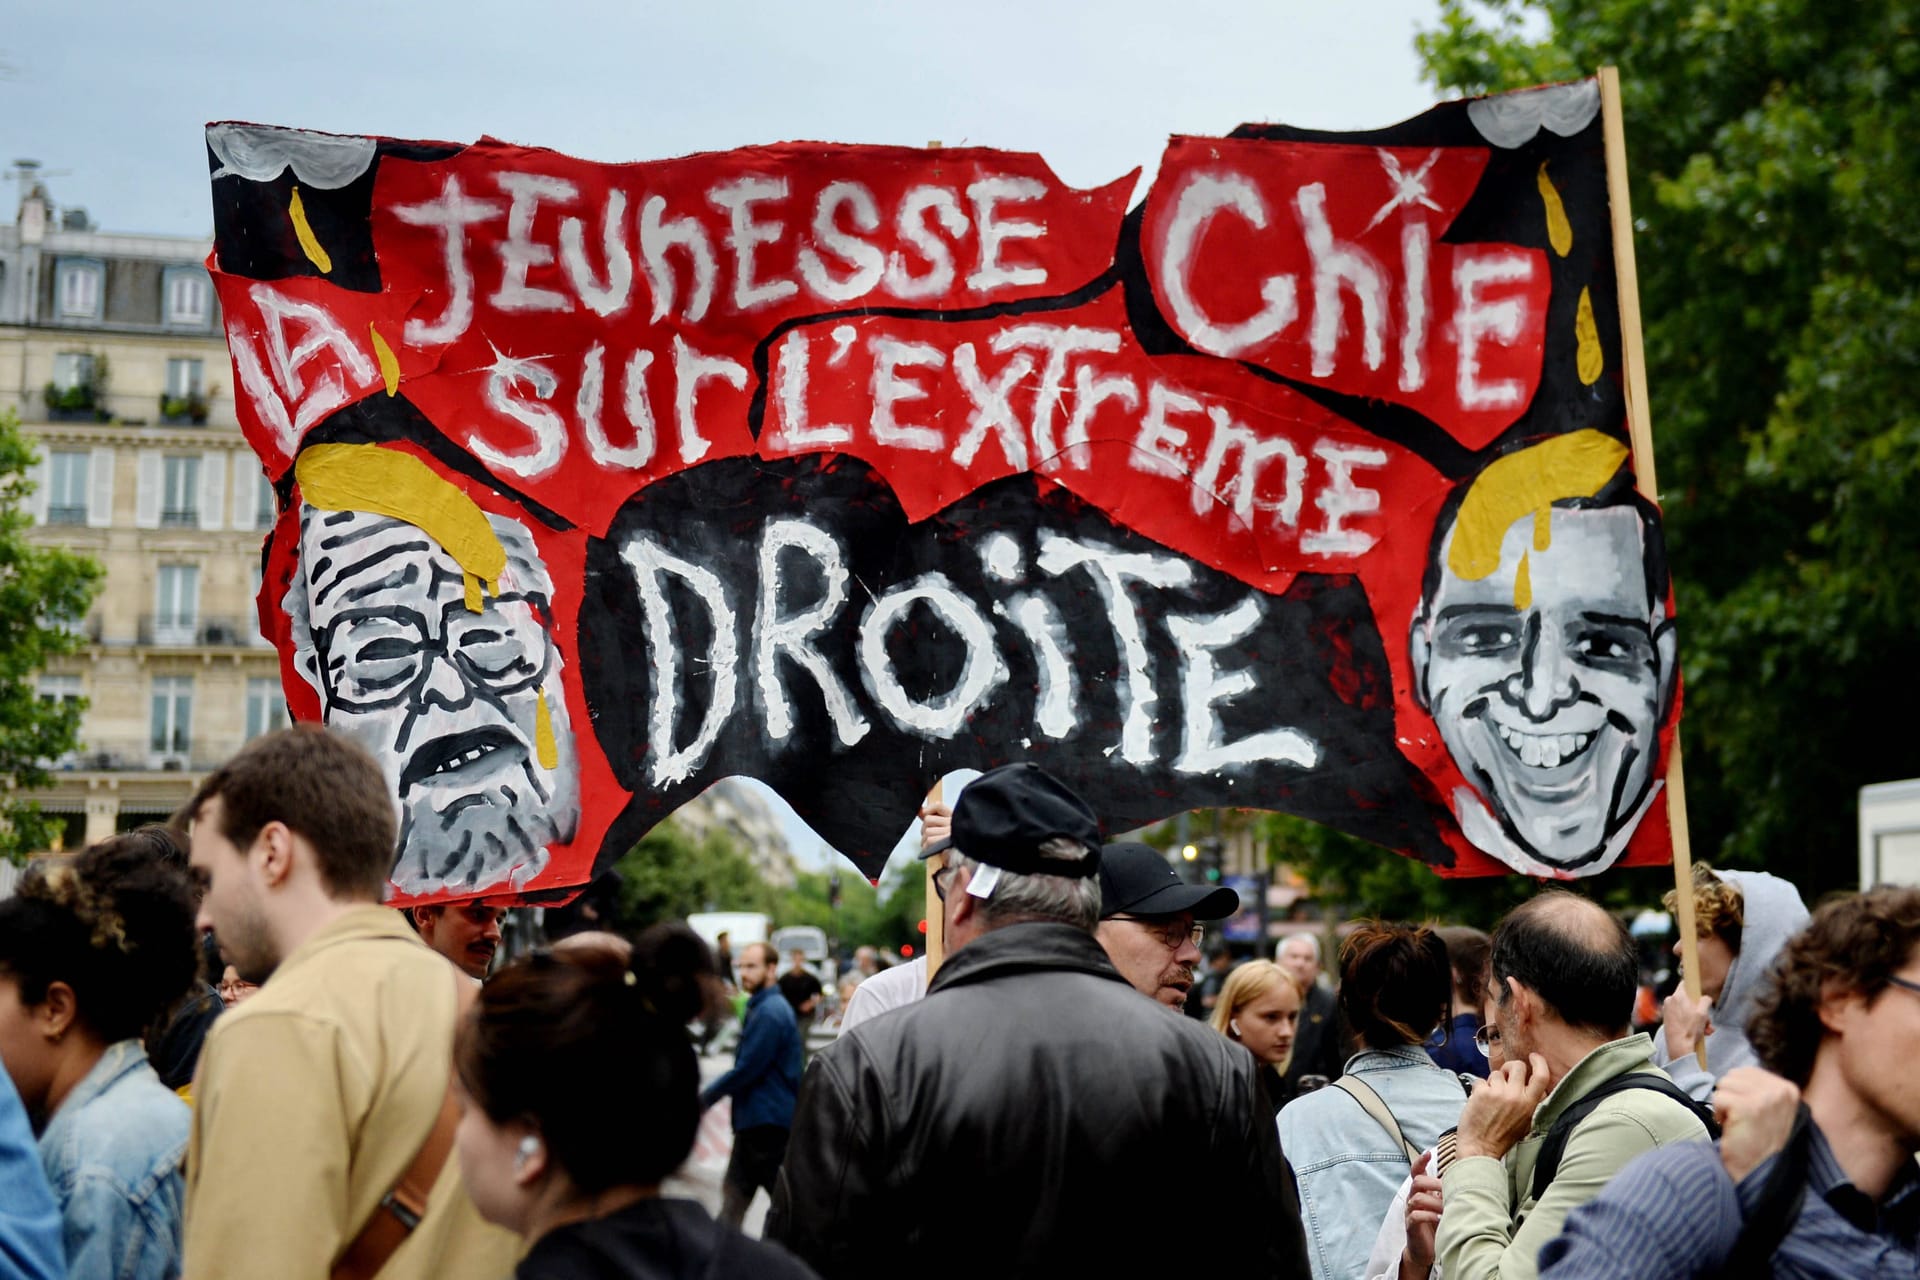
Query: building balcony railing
point(180, 518)
point(164, 631)
point(66, 515)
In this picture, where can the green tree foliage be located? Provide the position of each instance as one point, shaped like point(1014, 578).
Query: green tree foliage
point(670, 874)
point(1776, 189)
point(887, 916)
point(43, 590)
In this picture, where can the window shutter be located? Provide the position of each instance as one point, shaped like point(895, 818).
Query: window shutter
point(245, 467)
point(213, 489)
point(100, 482)
point(146, 507)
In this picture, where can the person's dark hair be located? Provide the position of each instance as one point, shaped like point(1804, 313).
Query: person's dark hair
point(114, 923)
point(1467, 948)
point(1395, 983)
point(322, 785)
point(1852, 945)
point(1574, 954)
point(592, 1050)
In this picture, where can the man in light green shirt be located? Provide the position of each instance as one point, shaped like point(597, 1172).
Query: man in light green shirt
point(1563, 975)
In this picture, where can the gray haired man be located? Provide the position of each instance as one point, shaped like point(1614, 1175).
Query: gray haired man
point(1033, 1102)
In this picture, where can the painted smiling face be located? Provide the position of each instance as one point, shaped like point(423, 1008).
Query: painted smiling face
point(1548, 677)
point(462, 705)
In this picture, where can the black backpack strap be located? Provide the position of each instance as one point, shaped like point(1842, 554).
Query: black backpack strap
point(1776, 1207)
point(1555, 1145)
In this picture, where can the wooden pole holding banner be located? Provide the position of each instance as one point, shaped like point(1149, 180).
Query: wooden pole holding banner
point(1640, 435)
point(936, 910)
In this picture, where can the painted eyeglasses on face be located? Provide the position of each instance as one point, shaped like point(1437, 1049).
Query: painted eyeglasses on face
point(379, 657)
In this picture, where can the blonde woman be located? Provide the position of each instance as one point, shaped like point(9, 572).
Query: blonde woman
point(1258, 1008)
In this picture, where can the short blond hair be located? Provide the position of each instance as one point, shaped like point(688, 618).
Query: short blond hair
point(1719, 908)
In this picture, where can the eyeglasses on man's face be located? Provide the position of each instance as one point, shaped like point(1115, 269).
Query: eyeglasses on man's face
point(941, 879)
point(1485, 1038)
point(1172, 934)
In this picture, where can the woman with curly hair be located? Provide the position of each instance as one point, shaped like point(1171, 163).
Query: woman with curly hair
point(581, 1094)
point(93, 951)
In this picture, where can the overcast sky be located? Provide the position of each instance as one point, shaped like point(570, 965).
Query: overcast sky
point(110, 96)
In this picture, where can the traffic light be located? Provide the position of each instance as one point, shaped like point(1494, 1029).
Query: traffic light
point(1190, 852)
point(1211, 848)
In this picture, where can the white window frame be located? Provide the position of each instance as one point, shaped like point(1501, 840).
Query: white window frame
point(180, 491)
point(79, 288)
point(195, 369)
point(72, 369)
point(266, 706)
point(170, 720)
point(69, 486)
point(186, 297)
point(176, 604)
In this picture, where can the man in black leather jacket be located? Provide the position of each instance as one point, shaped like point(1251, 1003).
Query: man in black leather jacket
point(1034, 1115)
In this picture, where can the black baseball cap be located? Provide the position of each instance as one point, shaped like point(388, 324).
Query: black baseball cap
point(1006, 814)
point(1135, 879)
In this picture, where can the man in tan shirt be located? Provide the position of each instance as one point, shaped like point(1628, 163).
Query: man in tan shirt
point(314, 1097)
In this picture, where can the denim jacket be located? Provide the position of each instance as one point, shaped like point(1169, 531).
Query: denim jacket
point(1348, 1166)
point(113, 1154)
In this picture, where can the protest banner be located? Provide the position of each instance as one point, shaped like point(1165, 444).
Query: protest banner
point(1304, 484)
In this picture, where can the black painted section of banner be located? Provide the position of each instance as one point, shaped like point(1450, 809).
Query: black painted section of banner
point(1316, 654)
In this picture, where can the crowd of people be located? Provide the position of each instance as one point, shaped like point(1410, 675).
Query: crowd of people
point(341, 1090)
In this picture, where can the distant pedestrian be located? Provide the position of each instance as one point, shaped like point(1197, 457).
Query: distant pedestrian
point(94, 949)
point(1034, 1116)
point(1453, 1045)
point(576, 1170)
point(1320, 1046)
point(1205, 995)
point(763, 1082)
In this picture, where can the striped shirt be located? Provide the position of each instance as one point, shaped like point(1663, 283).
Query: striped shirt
point(1675, 1212)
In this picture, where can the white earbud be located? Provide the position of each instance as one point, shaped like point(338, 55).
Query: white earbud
point(1233, 1024)
point(529, 1148)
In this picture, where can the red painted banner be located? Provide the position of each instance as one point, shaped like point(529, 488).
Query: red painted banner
point(1302, 484)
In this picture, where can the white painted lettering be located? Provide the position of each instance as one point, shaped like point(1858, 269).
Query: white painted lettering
point(1342, 498)
point(1338, 264)
point(991, 411)
point(737, 199)
point(686, 234)
point(775, 636)
point(986, 196)
point(866, 259)
point(945, 715)
point(911, 223)
point(649, 564)
point(1199, 200)
point(690, 369)
point(1156, 448)
point(1240, 490)
point(504, 378)
point(518, 252)
point(889, 389)
point(1476, 320)
point(612, 297)
point(451, 214)
point(1202, 748)
point(790, 392)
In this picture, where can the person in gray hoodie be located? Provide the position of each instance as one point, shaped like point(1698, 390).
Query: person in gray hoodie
point(1743, 919)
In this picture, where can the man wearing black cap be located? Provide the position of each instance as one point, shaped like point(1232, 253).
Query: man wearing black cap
point(1149, 920)
point(1032, 1116)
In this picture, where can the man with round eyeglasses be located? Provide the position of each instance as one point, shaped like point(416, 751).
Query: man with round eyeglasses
point(1150, 921)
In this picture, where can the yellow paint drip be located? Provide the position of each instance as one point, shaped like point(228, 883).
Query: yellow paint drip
point(1543, 528)
point(1559, 230)
point(388, 482)
point(1590, 360)
point(544, 745)
point(389, 367)
point(1523, 584)
point(1575, 465)
point(303, 231)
